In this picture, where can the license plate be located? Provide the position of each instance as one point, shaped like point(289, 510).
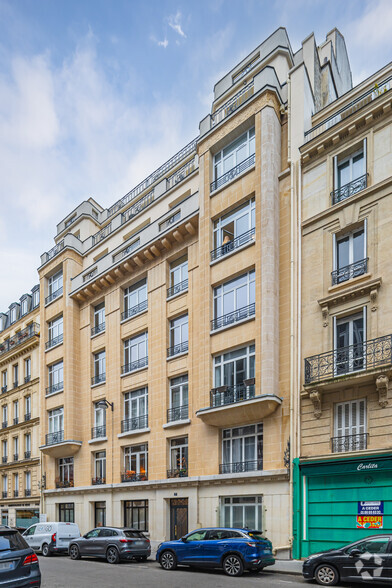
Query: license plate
point(267, 551)
point(138, 543)
point(7, 565)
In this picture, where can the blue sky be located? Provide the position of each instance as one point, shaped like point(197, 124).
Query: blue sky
point(95, 94)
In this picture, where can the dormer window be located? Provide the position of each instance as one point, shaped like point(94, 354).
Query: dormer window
point(24, 307)
point(36, 298)
point(13, 314)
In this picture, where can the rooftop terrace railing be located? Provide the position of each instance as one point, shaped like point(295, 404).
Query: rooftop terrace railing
point(231, 105)
point(19, 338)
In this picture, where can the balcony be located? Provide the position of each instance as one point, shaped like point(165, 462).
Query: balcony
point(4, 424)
point(98, 329)
point(135, 310)
point(4, 459)
point(350, 360)
point(98, 432)
point(232, 173)
point(64, 483)
point(178, 472)
point(177, 288)
point(178, 349)
point(137, 207)
point(230, 405)
point(20, 338)
point(27, 454)
point(16, 420)
point(233, 317)
point(54, 342)
point(27, 379)
point(16, 493)
point(16, 384)
point(3, 389)
point(349, 189)
point(27, 492)
point(232, 245)
point(16, 457)
point(240, 467)
point(235, 102)
point(99, 379)
point(349, 443)
point(4, 494)
point(178, 413)
point(57, 446)
point(97, 481)
point(348, 272)
point(102, 234)
point(53, 296)
point(54, 388)
point(134, 424)
point(27, 416)
point(131, 476)
point(54, 438)
point(134, 365)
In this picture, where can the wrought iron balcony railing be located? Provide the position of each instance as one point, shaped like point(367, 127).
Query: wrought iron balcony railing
point(4, 459)
point(178, 472)
point(177, 349)
point(231, 105)
point(223, 395)
point(16, 456)
point(137, 207)
point(135, 423)
point(181, 174)
point(27, 492)
point(16, 493)
point(345, 360)
point(130, 476)
point(98, 329)
point(102, 234)
point(141, 307)
point(177, 288)
point(64, 483)
point(134, 365)
point(54, 388)
point(4, 424)
point(349, 443)
point(177, 413)
point(348, 272)
point(98, 432)
point(232, 173)
point(53, 438)
point(16, 384)
point(19, 338)
point(239, 467)
point(55, 250)
point(99, 379)
point(233, 317)
point(4, 494)
point(53, 295)
point(27, 379)
point(233, 244)
point(27, 454)
point(349, 189)
point(98, 480)
point(3, 389)
point(54, 341)
point(16, 420)
point(27, 416)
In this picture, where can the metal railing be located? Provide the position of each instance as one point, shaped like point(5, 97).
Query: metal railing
point(99, 379)
point(124, 252)
point(19, 338)
point(4, 459)
point(181, 174)
point(349, 189)
point(138, 207)
point(27, 379)
point(232, 173)
point(64, 483)
point(27, 416)
point(231, 105)
point(16, 456)
point(16, 493)
point(350, 359)
point(27, 492)
point(54, 341)
point(177, 413)
point(166, 224)
point(4, 424)
point(177, 288)
point(232, 245)
point(349, 443)
point(178, 472)
point(54, 388)
point(233, 317)
point(27, 454)
point(130, 476)
point(16, 420)
point(135, 423)
point(223, 395)
point(177, 349)
point(98, 329)
point(102, 234)
point(53, 438)
point(134, 365)
point(4, 494)
point(98, 432)
point(3, 389)
point(348, 272)
point(141, 307)
point(55, 250)
point(238, 467)
point(16, 384)
point(53, 295)
point(98, 480)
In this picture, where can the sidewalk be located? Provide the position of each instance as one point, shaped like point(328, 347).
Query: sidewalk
point(286, 566)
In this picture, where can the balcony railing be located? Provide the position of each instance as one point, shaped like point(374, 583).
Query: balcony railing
point(177, 413)
point(97, 329)
point(4, 459)
point(130, 476)
point(233, 244)
point(177, 349)
point(231, 105)
point(54, 388)
point(345, 360)
point(141, 307)
point(349, 443)
point(16, 420)
point(134, 365)
point(27, 416)
point(3, 389)
point(239, 467)
point(102, 234)
point(349, 189)
point(177, 288)
point(4, 424)
point(98, 480)
point(224, 395)
point(135, 423)
point(27, 492)
point(55, 250)
point(53, 438)
point(27, 379)
point(232, 173)
point(348, 272)
point(54, 341)
point(233, 317)
point(23, 335)
point(98, 432)
point(138, 207)
point(181, 174)
point(16, 384)
point(16, 493)
point(16, 457)
point(53, 295)
point(99, 379)
point(64, 483)
point(4, 494)
point(178, 472)
point(27, 454)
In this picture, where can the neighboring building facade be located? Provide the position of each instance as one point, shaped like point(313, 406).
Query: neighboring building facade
point(20, 474)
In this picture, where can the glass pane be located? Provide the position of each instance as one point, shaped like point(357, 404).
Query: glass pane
point(250, 517)
point(343, 174)
point(238, 516)
point(358, 246)
point(343, 249)
point(228, 303)
point(358, 166)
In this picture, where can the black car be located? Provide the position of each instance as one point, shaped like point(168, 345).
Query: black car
point(19, 565)
point(368, 560)
point(112, 544)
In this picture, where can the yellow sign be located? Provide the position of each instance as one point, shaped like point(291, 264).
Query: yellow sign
point(369, 522)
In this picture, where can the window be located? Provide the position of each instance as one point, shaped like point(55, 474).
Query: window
point(349, 174)
point(16, 411)
point(4, 380)
point(234, 301)
point(135, 462)
point(374, 545)
point(136, 353)
point(242, 449)
point(135, 410)
point(99, 421)
point(178, 276)
point(27, 481)
point(178, 336)
point(99, 319)
point(99, 517)
point(4, 449)
point(56, 420)
point(231, 157)
point(15, 371)
point(66, 473)
point(5, 415)
point(234, 229)
point(13, 315)
point(179, 457)
point(135, 299)
point(99, 368)
point(27, 445)
point(16, 448)
point(196, 536)
point(349, 256)
point(136, 514)
point(170, 221)
point(241, 512)
point(178, 399)
point(24, 307)
point(27, 408)
point(27, 370)
point(349, 343)
point(56, 378)
point(100, 467)
point(36, 298)
point(234, 376)
point(349, 426)
point(66, 512)
point(55, 285)
point(5, 486)
point(55, 332)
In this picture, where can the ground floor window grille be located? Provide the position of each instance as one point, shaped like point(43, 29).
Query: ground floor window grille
point(136, 514)
point(241, 512)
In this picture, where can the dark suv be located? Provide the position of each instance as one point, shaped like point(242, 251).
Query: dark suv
point(112, 544)
point(19, 565)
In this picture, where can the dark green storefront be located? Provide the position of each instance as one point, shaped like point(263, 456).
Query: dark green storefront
point(326, 496)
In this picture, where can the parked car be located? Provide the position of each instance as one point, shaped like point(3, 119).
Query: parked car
point(112, 544)
point(367, 560)
point(19, 565)
point(50, 538)
point(233, 550)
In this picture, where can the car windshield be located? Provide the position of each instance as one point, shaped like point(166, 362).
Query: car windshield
point(12, 542)
point(256, 535)
point(134, 535)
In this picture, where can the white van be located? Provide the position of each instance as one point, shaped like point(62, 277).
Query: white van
point(51, 537)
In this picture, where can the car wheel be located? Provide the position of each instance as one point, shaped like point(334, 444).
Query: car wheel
point(232, 565)
point(112, 555)
point(45, 550)
point(326, 575)
point(168, 560)
point(74, 552)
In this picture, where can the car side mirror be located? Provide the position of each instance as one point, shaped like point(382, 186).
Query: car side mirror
point(355, 553)
point(183, 539)
point(85, 536)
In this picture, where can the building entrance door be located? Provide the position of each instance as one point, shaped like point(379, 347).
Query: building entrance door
point(178, 518)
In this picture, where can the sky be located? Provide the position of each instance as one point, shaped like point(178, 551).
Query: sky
point(96, 94)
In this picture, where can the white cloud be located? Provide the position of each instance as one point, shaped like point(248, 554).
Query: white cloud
point(163, 43)
point(174, 22)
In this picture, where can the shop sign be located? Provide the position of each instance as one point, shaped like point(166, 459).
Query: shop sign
point(370, 514)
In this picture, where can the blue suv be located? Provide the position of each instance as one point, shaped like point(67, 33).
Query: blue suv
point(233, 550)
